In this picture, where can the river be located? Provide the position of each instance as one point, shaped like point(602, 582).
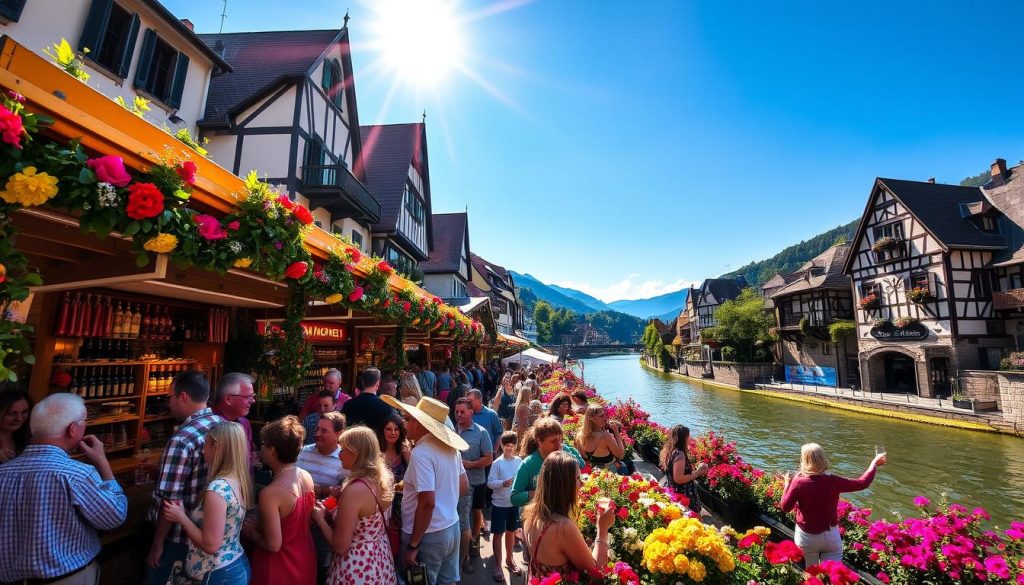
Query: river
point(976, 469)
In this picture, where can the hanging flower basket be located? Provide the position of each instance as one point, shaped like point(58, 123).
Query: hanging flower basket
point(870, 302)
point(919, 294)
point(884, 243)
point(903, 322)
point(880, 322)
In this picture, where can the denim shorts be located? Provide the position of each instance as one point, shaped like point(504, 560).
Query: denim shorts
point(463, 508)
point(504, 519)
point(438, 553)
point(236, 573)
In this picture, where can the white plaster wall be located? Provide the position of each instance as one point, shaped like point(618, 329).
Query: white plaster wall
point(267, 154)
point(45, 22)
point(347, 226)
point(279, 113)
point(222, 149)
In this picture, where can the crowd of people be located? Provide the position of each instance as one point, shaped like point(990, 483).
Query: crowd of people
point(398, 479)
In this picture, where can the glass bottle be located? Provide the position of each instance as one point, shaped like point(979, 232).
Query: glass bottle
point(118, 321)
point(136, 324)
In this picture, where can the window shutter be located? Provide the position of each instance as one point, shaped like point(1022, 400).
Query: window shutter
point(178, 87)
point(11, 9)
point(95, 26)
point(325, 80)
point(129, 48)
point(144, 71)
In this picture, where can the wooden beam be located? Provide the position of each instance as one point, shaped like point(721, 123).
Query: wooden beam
point(103, 272)
point(55, 227)
point(230, 286)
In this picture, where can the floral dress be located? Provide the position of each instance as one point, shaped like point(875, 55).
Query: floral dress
point(199, 563)
point(369, 558)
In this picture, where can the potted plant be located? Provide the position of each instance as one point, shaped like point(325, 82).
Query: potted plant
point(880, 322)
point(884, 243)
point(962, 401)
point(870, 302)
point(920, 294)
point(904, 322)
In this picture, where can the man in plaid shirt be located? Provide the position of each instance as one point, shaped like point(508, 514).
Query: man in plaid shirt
point(182, 471)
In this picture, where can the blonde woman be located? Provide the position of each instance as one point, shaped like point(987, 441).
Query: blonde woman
point(552, 537)
point(814, 494)
point(215, 555)
point(521, 417)
point(359, 538)
point(599, 440)
point(409, 389)
point(504, 401)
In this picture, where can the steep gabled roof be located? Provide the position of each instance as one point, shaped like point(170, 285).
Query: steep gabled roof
point(388, 150)
point(450, 235)
point(723, 288)
point(485, 268)
point(261, 61)
point(824, 271)
point(1007, 195)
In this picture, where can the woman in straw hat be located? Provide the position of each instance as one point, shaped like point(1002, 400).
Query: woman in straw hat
point(433, 482)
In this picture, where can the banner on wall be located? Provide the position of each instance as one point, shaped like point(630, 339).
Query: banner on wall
point(816, 375)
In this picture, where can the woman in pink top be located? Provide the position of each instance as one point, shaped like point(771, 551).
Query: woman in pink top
point(815, 495)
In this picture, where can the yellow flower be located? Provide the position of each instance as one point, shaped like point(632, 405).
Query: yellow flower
point(331, 299)
point(697, 572)
point(681, 563)
point(243, 263)
point(29, 188)
point(161, 244)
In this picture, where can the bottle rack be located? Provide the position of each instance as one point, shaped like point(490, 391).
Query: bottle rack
point(324, 359)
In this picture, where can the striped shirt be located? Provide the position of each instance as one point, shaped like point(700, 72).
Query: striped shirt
point(324, 469)
point(182, 469)
point(52, 506)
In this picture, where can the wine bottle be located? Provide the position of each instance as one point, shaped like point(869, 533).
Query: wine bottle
point(136, 322)
point(146, 322)
point(108, 314)
point(73, 386)
point(90, 381)
point(118, 321)
point(65, 314)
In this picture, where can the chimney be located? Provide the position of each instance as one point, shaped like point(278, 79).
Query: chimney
point(998, 167)
point(188, 24)
point(931, 180)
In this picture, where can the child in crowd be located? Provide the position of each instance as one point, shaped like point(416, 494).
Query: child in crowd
point(504, 516)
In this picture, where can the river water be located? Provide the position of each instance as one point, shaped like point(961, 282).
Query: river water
point(976, 469)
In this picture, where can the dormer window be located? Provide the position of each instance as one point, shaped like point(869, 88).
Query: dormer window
point(988, 224)
point(108, 38)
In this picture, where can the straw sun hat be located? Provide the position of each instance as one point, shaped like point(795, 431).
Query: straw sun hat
point(432, 414)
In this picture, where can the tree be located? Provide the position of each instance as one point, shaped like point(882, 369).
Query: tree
point(743, 324)
point(542, 318)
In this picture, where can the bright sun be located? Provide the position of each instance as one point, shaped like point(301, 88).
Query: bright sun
point(419, 40)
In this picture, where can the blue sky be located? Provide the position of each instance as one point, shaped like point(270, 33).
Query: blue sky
point(627, 149)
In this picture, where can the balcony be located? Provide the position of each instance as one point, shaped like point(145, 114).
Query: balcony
point(791, 319)
point(1011, 300)
point(334, 188)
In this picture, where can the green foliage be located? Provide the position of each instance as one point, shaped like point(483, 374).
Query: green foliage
point(139, 107)
point(744, 324)
point(66, 58)
point(664, 358)
point(841, 329)
point(651, 340)
point(729, 353)
point(620, 327)
point(790, 258)
point(977, 180)
point(552, 323)
point(289, 353)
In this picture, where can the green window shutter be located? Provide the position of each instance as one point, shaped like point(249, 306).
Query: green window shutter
point(145, 69)
point(178, 87)
point(129, 47)
point(95, 26)
point(11, 9)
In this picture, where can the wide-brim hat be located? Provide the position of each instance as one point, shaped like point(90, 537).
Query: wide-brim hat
point(432, 414)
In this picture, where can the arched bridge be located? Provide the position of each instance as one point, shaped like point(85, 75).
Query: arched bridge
point(582, 351)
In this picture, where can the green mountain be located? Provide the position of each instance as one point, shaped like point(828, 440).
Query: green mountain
point(593, 303)
point(658, 306)
point(553, 296)
point(789, 259)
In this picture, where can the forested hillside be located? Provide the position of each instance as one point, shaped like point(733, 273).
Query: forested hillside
point(792, 257)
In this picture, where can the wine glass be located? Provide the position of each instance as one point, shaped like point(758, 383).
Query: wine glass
point(879, 449)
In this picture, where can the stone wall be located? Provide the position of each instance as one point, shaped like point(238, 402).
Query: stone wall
point(1011, 397)
point(692, 368)
point(742, 375)
point(980, 385)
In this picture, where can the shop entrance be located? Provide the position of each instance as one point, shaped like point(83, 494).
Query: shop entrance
point(900, 374)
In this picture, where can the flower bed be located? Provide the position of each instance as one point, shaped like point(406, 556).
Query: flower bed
point(943, 544)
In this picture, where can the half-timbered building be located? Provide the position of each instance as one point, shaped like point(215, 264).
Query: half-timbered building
point(1006, 191)
point(710, 295)
point(805, 303)
point(495, 282)
point(921, 265)
point(394, 164)
point(289, 110)
point(446, 271)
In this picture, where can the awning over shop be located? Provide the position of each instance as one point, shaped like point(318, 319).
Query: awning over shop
point(512, 339)
point(531, 356)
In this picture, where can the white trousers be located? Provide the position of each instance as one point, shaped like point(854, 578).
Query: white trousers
point(824, 546)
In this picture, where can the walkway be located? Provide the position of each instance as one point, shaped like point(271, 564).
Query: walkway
point(887, 398)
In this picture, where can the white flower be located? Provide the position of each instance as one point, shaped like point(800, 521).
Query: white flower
point(107, 195)
point(629, 533)
point(235, 246)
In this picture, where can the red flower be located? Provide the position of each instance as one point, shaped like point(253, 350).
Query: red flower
point(406, 307)
point(354, 254)
point(233, 226)
point(384, 267)
point(144, 201)
point(11, 127)
point(296, 270)
point(357, 293)
point(302, 214)
point(783, 552)
point(187, 171)
point(284, 201)
point(209, 227)
point(110, 169)
point(623, 513)
point(750, 540)
point(436, 300)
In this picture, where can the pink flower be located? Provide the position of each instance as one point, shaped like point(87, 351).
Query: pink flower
point(187, 171)
point(921, 501)
point(783, 552)
point(16, 96)
point(278, 245)
point(233, 226)
point(110, 169)
point(11, 128)
point(209, 227)
point(881, 576)
point(356, 294)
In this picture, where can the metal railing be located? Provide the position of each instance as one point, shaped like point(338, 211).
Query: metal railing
point(339, 177)
point(1008, 300)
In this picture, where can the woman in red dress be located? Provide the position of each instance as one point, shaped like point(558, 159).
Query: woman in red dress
point(284, 551)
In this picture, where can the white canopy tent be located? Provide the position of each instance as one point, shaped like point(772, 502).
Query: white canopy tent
point(531, 356)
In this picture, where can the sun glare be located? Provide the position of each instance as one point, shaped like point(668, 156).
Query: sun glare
point(419, 40)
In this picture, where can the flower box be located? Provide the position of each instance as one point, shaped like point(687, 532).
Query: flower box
point(739, 515)
point(870, 302)
point(884, 243)
point(963, 403)
point(920, 295)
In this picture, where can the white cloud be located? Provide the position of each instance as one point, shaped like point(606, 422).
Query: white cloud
point(628, 288)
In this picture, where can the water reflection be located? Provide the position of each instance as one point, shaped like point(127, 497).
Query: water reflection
point(973, 468)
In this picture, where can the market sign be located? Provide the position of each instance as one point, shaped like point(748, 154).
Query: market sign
point(311, 330)
point(890, 332)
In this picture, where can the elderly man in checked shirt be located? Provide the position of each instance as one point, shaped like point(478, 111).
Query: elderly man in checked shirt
point(182, 472)
point(52, 506)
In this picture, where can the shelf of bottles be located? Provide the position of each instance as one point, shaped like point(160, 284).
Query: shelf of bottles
point(121, 355)
point(325, 358)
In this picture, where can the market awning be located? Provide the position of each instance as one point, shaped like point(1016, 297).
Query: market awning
point(512, 339)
